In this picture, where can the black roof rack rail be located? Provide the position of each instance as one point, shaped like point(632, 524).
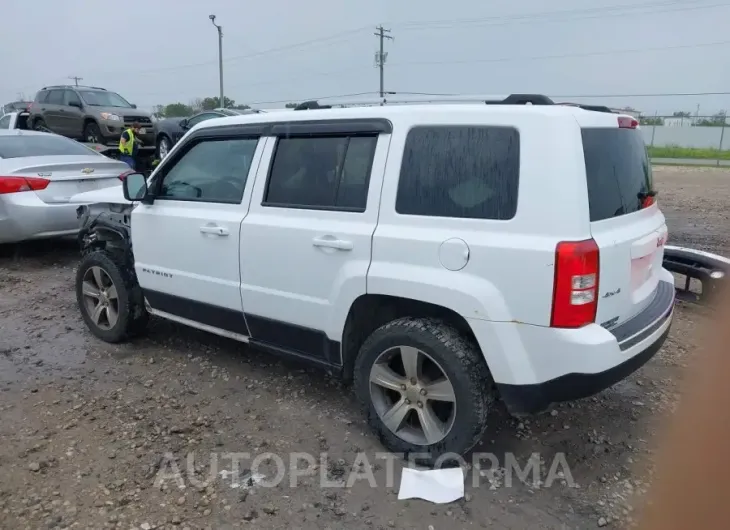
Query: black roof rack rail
point(49, 87)
point(594, 108)
point(522, 99)
point(311, 105)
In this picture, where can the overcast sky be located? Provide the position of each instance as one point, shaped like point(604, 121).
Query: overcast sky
point(163, 51)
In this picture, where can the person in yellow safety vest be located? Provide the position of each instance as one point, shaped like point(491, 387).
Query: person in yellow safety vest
point(128, 145)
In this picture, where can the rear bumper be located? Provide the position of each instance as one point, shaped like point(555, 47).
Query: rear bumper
point(24, 216)
point(535, 366)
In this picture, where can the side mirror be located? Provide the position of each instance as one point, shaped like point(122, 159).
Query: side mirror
point(184, 123)
point(134, 186)
point(76, 104)
point(134, 106)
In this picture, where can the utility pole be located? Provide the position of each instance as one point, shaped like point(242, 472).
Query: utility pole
point(220, 58)
point(381, 56)
point(76, 79)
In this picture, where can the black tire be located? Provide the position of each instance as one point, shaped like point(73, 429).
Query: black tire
point(39, 124)
point(160, 140)
point(461, 361)
point(132, 316)
point(92, 133)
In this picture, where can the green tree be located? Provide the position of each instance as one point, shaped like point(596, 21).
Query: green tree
point(214, 103)
point(291, 105)
point(682, 114)
point(177, 110)
point(716, 120)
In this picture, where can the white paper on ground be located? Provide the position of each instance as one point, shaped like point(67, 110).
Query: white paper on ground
point(439, 486)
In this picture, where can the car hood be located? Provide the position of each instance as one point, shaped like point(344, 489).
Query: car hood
point(112, 195)
point(122, 111)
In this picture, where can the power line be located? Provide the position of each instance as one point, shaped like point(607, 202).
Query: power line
point(313, 99)
point(304, 75)
point(565, 55)
point(381, 56)
point(76, 79)
point(573, 14)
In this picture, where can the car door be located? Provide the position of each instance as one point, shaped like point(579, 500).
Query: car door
point(71, 115)
point(186, 242)
point(306, 242)
point(51, 111)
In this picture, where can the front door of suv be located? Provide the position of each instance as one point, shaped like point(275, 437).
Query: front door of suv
point(186, 243)
point(305, 248)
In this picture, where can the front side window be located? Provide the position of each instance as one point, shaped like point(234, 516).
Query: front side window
point(460, 171)
point(210, 171)
point(71, 97)
point(331, 172)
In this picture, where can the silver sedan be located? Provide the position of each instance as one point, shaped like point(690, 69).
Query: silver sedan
point(39, 173)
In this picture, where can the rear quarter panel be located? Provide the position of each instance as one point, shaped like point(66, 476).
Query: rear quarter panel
point(510, 272)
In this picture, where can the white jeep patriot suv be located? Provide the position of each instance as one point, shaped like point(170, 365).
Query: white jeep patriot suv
point(439, 255)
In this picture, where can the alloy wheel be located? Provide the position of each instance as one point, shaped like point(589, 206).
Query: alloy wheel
point(164, 148)
point(412, 395)
point(100, 298)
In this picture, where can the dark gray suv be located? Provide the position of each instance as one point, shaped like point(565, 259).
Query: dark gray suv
point(89, 114)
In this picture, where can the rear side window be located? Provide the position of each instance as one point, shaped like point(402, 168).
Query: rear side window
point(330, 173)
point(24, 145)
point(460, 171)
point(41, 96)
point(55, 97)
point(618, 171)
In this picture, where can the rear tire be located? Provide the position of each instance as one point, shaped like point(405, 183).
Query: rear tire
point(109, 298)
point(464, 382)
point(39, 124)
point(92, 134)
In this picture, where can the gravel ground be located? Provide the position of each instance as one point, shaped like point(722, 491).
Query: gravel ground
point(89, 429)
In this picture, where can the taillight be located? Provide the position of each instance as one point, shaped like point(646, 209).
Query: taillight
point(575, 295)
point(626, 122)
point(647, 201)
point(18, 184)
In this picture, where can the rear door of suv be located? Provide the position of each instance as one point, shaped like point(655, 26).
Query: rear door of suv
point(626, 222)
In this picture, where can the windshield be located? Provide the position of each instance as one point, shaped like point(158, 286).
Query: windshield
point(25, 145)
point(97, 98)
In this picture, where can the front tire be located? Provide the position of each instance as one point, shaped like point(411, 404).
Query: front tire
point(163, 147)
point(109, 298)
point(426, 389)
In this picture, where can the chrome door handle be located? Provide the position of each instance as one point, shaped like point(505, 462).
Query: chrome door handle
point(331, 242)
point(214, 230)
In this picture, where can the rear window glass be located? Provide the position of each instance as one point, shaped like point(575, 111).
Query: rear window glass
point(460, 171)
point(618, 171)
point(24, 145)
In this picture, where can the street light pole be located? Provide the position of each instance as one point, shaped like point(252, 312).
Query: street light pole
point(220, 58)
